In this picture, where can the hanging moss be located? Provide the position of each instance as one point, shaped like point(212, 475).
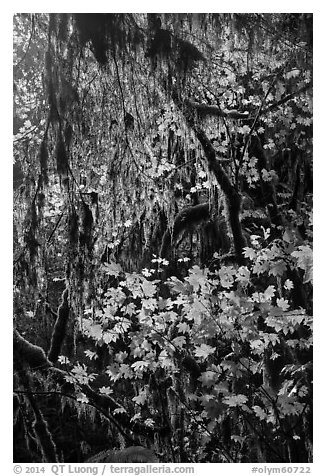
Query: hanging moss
point(16, 405)
point(68, 95)
point(30, 235)
point(68, 132)
point(61, 156)
point(53, 113)
point(188, 54)
point(53, 18)
point(48, 64)
point(107, 32)
point(85, 237)
point(160, 44)
point(184, 221)
point(168, 46)
point(43, 157)
point(45, 440)
point(40, 201)
point(73, 228)
point(63, 26)
point(92, 27)
point(49, 75)
point(129, 121)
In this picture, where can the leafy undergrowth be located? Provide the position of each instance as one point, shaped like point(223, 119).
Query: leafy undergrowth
point(222, 356)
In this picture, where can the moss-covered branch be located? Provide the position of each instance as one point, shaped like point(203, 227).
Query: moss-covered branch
point(34, 356)
point(40, 426)
point(60, 326)
point(184, 220)
point(232, 196)
point(29, 354)
point(212, 110)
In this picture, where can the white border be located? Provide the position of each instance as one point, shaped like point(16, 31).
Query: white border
point(318, 8)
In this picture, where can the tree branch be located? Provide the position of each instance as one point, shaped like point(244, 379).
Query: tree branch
point(286, 98)
point(210, 110)
point(232, 196)
point(34, 356)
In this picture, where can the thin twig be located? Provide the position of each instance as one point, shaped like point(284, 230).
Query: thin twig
point(255, 122)
point(56, 226)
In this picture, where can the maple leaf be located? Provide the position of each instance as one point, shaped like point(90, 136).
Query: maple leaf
point(113, 269)
point(266, 232)
point(147, 346)
point(91, 355)
point(260, 267)
point(179, 341)
point(269, 293)
point(176, 285)
point(304, 258)
point(119, 410)
point(120, 357)
point(109, 337)
point(278, 268)
point(141, 398)
point(149, 422)
point(245, 129)
point(63, 360)
point(140, 365)
point(137, 352)
point(289, 405)
point(259, 412)
point(113, 372)
point(148, 288)
point(81, 375)
point(105, 390)
point(283, 304)
point(208, 378)
point(136, 417)
point(204, 350)
point(226, 275)
point(81, 397)
point(249, 253)
point(235, 400)
point(95, 331)
point(165, 361)
point(255, 239)
point(183, 260)
point(147, 272)
point(125, 371)
point(183, 327)
point(122, 326)
point(130, 308)
point(195, 311)
point(149, 303)
point(258, 346)
point(197, 277)
point(288, 285)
